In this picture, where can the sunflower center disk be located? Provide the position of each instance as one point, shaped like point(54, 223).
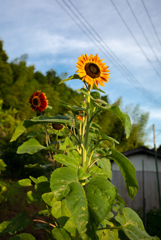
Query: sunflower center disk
point(92, 70)
point(36, 101)
point(57, 126)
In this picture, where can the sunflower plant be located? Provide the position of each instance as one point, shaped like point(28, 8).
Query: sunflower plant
point(81, 203)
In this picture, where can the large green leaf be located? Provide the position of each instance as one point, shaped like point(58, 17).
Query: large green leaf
point(22, 126)
point(132, 225)
point(123, 117)
point(100, 195)
point(23, 236)
point(31, 146)
point(105, 164)
point(67, 161)
point(60, 180)
point(75, 76)
point(15, 224)
point(128, 172)
point(77, 205)
point(60, 234)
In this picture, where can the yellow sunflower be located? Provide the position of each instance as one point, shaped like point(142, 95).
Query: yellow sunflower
point(92, 70)
point(38, 101)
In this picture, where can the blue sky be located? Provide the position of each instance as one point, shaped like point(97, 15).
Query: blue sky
point(53, 40)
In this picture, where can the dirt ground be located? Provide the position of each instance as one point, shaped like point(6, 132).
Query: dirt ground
point(11, 208)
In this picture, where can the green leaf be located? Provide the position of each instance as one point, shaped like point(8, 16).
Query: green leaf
point(60, 180)
point(23, 236)
point(124, 119)
point(94, 170)
point(77, 205)
point(85, 92)
point(59, 209)
point(15, 224)
point(97, 89)
point(52, 119)
point(110, 139)
point(31, 197)
point(31, 165)
point(128, 172)
point(82, 175)
point(73, 108)
point(132, 225)
point(75, 76)
point(95, 94)
point(2, 165)
point(100, 195)
point(105, 164)
point(22, 126)
point(102, 104)
point(48, 198)
point(31, 146)
point(23, 183)
point(67, 161)
point(70, 227)
point(60, 234)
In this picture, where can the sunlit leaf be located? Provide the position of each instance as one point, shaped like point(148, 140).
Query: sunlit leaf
point(132, 225)
point(31, 146)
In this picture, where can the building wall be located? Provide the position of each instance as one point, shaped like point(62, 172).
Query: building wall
point(150, 188)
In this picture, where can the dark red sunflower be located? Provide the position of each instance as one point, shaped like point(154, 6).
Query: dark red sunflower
point(38, 101)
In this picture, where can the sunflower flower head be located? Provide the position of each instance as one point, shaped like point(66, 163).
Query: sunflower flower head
point(58, 127)
point(92, 70)
point(38, 101)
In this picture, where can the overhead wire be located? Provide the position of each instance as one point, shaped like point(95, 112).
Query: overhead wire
point(119, 65)
point(143, 31)
point(104, 50)
point(138, 44)
point(136, 83)
point(146, 10)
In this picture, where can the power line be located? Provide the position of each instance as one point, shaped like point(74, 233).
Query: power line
point(121, 67)
point(135, 39)
point(127, 72)
point(146, 10)
point(142, 31)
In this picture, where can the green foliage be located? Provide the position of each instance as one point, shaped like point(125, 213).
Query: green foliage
point(132, 225)
point(15, 224)
point(153, 218)
point(23, 236)
point(2, 166)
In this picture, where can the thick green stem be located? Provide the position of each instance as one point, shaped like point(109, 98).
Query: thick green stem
point(86, 133)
